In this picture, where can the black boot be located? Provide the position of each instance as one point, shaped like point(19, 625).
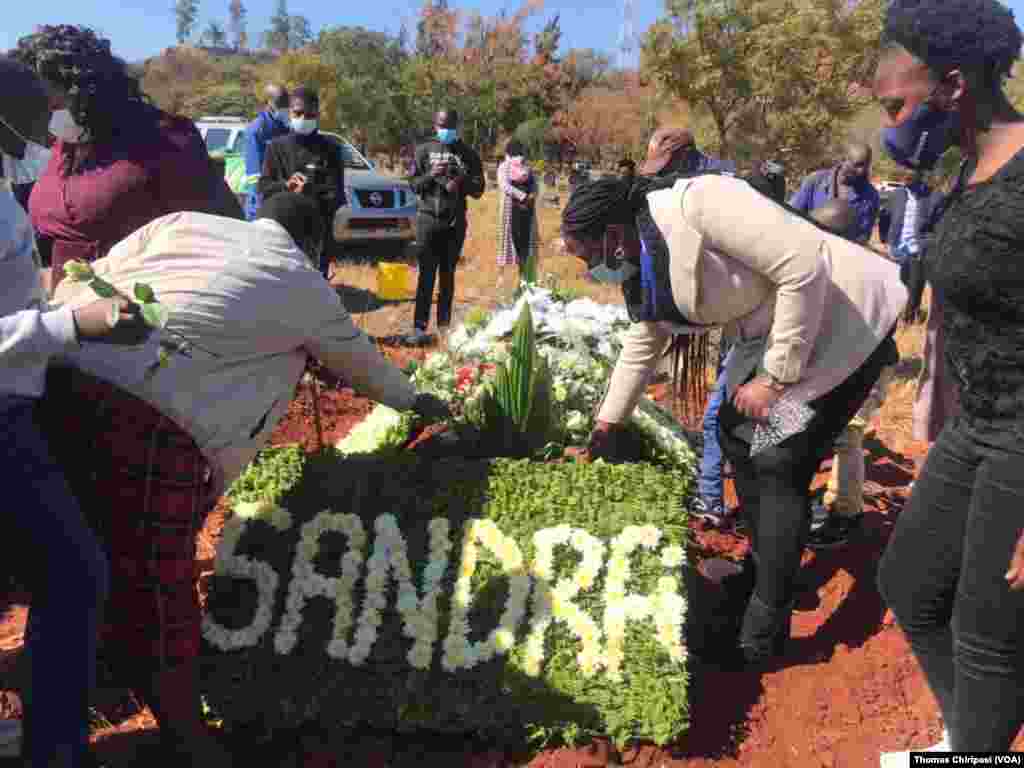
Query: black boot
point(765, 630)
point(720, 598)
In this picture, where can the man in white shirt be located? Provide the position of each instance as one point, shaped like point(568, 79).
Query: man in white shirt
point(149, 450)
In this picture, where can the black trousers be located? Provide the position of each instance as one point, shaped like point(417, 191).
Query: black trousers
point(521, 226)
point(440, 245)
point(22, 192)
point(943, 577)
point(774, 486)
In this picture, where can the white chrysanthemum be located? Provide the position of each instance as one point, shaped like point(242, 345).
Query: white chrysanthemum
point(672, 556)
point(383, 430)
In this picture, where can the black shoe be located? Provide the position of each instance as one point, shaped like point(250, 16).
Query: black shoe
point(418, 338)
point(765, 631)
point(834, 533)
point(712, 513)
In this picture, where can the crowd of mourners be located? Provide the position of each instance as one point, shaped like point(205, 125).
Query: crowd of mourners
point(115, 460)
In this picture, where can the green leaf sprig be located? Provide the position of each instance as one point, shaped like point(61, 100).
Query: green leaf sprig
point(155, 314)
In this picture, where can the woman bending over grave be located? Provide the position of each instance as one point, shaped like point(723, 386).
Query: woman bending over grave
point(148, 451)
point(813, 315)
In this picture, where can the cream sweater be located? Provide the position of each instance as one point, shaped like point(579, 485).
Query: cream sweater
point(806, 306)
point(245, 292)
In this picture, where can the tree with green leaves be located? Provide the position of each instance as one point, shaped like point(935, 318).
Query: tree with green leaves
point(766, 95)
point(186, 14)
point(368, 66)
point(237, 13)
point(279, 36)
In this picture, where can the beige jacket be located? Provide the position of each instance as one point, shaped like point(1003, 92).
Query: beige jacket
point(805, 306)
point(245, 292)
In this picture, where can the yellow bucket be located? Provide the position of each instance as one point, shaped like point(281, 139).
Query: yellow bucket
point(393, 281)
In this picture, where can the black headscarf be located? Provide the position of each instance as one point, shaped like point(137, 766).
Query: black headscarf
point(595, 205)
point(298, 214)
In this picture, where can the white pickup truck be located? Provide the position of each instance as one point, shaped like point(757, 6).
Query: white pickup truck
point(377, 207)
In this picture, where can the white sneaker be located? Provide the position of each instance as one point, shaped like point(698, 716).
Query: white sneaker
point(902, 759)
point(10, 738)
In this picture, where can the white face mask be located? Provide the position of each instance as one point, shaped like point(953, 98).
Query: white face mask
point(303, 127)
point(64, 127)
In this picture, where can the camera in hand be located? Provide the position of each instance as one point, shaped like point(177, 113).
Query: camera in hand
point(316, 179)
point(453, 170)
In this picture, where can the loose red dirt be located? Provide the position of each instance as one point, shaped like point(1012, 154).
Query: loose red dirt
point(847, 689)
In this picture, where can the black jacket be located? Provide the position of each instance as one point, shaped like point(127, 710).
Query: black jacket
point(291, 154)
point(434, 198)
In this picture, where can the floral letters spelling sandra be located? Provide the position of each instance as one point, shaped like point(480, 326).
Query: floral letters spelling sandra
point(306, 583)
point(666, 606)
point(239, 566)
point(459, 652)
point(555, 603)
point(420, 618)
point(551, 601)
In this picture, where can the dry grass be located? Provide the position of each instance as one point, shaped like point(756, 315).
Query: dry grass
point(896, 412)
point(478, 282)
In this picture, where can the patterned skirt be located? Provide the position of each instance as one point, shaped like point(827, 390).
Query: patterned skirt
point(146, 489)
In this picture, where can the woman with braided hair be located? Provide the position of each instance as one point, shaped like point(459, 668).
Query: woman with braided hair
point(119, 162)
point(813, 316)
point(953, 572)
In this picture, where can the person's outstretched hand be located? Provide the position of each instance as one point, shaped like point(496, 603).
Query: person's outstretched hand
point(112, 321)
point(431, 408)
point(604, 444)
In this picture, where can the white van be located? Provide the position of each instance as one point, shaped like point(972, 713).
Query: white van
point(223, 134)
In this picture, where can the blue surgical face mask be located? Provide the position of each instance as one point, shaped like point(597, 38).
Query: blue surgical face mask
point(447, 135)
point(602, 273)
point(283, 114)
point(303, 127)
point(923, 138)
point(613, 275)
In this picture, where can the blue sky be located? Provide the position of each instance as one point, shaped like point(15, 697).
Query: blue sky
point(141, 28)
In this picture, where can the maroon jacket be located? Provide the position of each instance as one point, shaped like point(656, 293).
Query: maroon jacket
point(156, 164)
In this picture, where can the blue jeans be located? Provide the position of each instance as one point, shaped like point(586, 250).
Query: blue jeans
point(252, 205)
point(65, 568)
point(709, 480)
